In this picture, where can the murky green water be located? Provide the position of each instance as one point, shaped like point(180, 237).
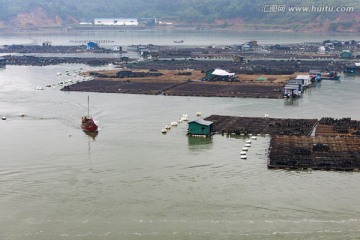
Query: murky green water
point(132, 182)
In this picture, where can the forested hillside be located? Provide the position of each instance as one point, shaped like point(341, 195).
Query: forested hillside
point(335, 15)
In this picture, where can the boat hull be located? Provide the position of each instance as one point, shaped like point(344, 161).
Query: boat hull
point(88, 124)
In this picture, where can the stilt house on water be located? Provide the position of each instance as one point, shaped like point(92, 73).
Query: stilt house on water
point(200, 127)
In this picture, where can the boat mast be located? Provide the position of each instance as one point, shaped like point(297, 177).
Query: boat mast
point(88, 106)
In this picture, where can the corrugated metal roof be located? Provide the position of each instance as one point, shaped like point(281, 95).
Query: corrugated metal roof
point(202, 122)
point(303, 77)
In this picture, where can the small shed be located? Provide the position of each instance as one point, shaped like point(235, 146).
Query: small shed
point(353, 68)
point(245, 47)
point(315, 74)
point(200, 127)
point(92, 45)
point(306, 80)
point(346, 54)
point(292, 90)
point(2, 61)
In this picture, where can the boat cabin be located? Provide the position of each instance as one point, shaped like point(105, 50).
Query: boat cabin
point(200, 127)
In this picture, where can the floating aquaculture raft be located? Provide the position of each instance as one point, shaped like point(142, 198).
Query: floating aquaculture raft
point(322, 153)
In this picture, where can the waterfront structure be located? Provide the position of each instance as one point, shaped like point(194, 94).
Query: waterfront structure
point(116, 21)
point(2, 62)
point(293, 88)
point(353, 68)
point(346, 54)
point(200, 127)
point(305, 79)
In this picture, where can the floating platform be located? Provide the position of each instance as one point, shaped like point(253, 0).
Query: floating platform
point(315, 153)
point(325, 144)
point(261, 126)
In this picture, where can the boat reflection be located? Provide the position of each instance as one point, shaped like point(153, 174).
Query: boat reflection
point(93, 135)
point(291, 102)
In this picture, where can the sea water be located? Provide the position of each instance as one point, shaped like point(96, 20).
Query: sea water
point(133, 182)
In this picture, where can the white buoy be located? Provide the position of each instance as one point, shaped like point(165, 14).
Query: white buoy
point(243, 156)
point(245, 148)
point(167, 127)
point(254, 137)
point(266, 115)
point(163, 130)
point(248, 145)
point(198, 114)
point(39, 88)
point(248, 141)
point(3, 118)
point(173, 124)
point(243, 153)
point(22, 114)
point(185, 117)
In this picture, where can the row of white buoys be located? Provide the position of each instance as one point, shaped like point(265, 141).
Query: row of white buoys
point(77, 79)
point(184, 118)
point(246, 148)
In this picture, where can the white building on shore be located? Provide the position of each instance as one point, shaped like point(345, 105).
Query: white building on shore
point(116, 21)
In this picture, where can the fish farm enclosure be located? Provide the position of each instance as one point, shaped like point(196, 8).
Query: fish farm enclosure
point(325, 144)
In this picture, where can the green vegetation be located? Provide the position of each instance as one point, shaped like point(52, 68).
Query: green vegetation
point(187, 11)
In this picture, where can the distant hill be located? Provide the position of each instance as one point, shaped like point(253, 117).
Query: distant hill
point(292, 15)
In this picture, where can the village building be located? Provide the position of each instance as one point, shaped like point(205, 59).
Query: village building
point(116, 21)
point(200, 127)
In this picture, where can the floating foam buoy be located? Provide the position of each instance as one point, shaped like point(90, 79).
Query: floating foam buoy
point(164, 130)
point(167, 127)
point(245, 148)
point(243, 156)
point(22, 114)
point(242, 153)
point(173, 124)
point(254, 137)
point(39, 88)
point(248, 141)
point(3, 118)
point(248, 145)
